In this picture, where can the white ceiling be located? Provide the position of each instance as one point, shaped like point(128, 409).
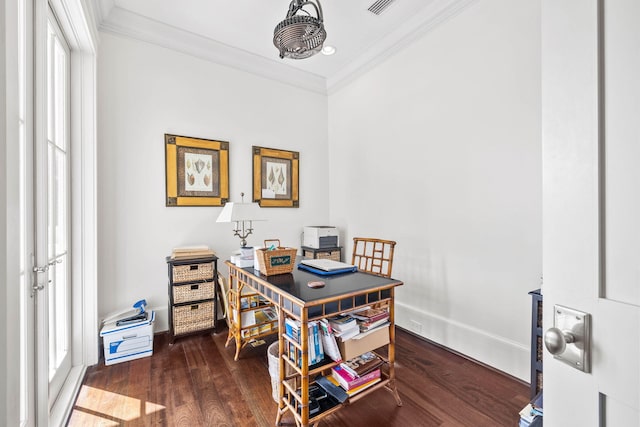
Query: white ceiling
point(240, 33)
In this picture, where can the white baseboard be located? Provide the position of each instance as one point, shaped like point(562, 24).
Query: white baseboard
point(504, 355)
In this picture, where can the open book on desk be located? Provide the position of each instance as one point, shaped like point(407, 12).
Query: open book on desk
point(326, 267)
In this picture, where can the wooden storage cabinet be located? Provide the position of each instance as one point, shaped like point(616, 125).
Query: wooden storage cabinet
point(326, 253)
point(193, 295)
point(536, 342)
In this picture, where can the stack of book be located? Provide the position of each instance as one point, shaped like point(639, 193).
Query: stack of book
point(316, 348)
point(531, 415)
point(191, 252)
point(329, 344)
point(344, 327)
point(357, 374)
point(371, 318)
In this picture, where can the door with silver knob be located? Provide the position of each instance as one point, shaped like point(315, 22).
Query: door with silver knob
point(591, 210)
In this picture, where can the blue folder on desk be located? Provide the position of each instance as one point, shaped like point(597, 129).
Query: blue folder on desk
point(326, 267)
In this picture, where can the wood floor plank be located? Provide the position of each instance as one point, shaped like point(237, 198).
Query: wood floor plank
point(196, 382)
point(198, 358)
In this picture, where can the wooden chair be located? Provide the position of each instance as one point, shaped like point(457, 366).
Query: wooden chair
point(373, 255)
point(225, 294)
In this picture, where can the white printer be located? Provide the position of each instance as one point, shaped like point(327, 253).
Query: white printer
point(320, 237)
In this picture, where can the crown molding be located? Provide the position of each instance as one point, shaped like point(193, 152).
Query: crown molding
point(429, 18)
point(101, 9)
point(115, 20)
point(128, 24)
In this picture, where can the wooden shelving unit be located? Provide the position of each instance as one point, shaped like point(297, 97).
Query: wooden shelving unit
point(292, 298)
point(245, 326)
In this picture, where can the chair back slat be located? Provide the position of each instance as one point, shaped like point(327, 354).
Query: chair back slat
point(373, 255)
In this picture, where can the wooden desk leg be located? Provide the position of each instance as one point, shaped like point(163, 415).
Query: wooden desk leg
point(394, 391)
point(238, 347)
point(391, 386)
point(230, 337)
point(281, 364)
point(280, 414)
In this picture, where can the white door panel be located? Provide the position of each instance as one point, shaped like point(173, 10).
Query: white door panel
point(622, 148)
point(591, 204)
point(622, 367)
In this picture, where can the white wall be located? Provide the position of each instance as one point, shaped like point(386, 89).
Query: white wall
point(145, 91)
point(439, 149)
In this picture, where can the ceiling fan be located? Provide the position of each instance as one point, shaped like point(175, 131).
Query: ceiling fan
point(301, 34)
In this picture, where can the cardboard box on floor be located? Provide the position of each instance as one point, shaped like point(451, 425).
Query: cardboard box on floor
point(128, 342)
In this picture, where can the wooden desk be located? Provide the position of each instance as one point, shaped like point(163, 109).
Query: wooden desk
point(292, 298)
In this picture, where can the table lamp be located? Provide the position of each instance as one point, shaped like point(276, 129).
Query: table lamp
point(242, 215)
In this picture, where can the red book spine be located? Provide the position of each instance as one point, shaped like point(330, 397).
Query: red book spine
point(348, 383)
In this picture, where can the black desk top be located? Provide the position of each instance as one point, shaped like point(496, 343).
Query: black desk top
point(337, 286)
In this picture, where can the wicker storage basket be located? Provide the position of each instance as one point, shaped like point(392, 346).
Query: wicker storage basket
point(276, 261)
point(192, 318)
point(192, 272)
point(193, 292)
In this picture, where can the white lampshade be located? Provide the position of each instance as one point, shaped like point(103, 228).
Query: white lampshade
point(236, 212)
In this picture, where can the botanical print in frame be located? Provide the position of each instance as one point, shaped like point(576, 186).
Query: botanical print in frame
point(275, 177)
point(197, 171)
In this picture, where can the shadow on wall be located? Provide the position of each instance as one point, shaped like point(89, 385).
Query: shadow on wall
point(425, 294)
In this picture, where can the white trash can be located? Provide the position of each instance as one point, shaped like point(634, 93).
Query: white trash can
point(274, 369)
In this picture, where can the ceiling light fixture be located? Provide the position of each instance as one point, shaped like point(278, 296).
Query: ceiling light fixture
point(300, 35)
point(328, 50)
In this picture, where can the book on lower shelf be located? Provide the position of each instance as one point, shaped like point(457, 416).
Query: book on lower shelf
point(358, 389)
point(350, 382)
point(366, 362)
point(332, 388)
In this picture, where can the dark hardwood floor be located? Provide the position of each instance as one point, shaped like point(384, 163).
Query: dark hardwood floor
point(196, 382)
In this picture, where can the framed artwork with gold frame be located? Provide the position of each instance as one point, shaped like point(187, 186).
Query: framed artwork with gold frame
point(275, 177)
point(197, 171)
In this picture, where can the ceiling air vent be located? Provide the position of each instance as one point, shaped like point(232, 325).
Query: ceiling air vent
point(379, 6)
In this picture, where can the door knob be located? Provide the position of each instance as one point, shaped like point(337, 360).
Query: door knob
point(556, 340)
point(569, 340)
